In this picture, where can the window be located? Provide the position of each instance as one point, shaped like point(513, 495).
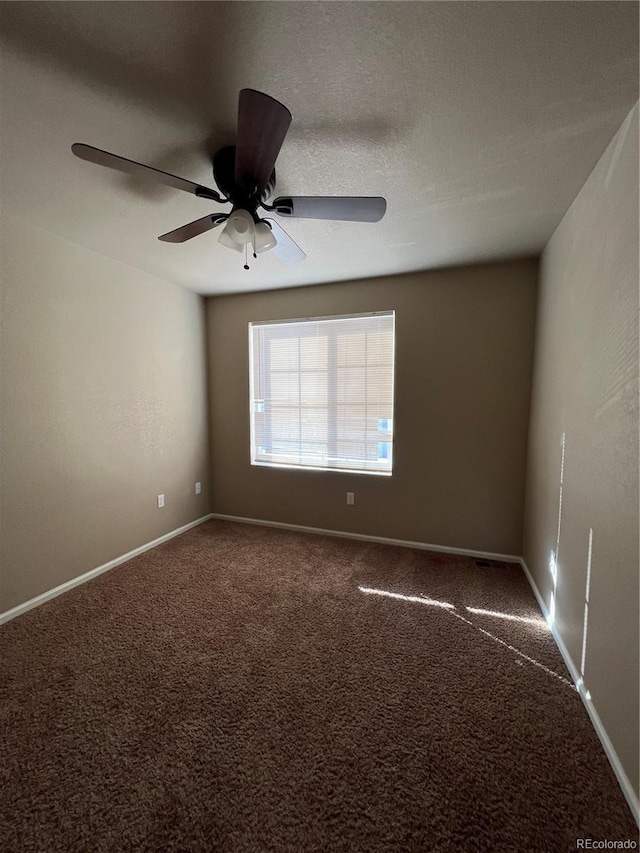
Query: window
point(322, 393)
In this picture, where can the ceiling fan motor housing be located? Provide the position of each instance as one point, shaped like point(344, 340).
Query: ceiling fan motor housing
point(245, 197)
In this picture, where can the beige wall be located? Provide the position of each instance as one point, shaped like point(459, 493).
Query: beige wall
point(463, 365)
point(586, 387)
point(103, 408)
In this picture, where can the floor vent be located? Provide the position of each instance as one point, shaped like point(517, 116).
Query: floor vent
point(491, 564)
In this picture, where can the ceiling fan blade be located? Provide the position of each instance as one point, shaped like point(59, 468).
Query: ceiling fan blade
point(285, 249)
point(200, 226)
point(130, 167)
point(263, 123)
point(347, 208)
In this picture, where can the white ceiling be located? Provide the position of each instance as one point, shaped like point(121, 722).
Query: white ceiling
point(478, 121)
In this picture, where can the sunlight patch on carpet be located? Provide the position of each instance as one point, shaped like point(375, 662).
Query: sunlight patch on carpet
point(529, 619)
point(417, 599)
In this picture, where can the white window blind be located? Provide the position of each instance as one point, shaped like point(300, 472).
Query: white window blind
point(322, 393)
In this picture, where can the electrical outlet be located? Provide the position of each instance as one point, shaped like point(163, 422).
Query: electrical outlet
point(351, 498)
point(160, 501)
point(198, 488)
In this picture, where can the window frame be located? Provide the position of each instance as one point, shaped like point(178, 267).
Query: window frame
point(296, 334)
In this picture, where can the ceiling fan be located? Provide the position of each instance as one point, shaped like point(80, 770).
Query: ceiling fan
point(246, 178)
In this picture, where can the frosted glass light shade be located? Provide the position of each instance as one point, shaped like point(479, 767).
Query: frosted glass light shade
point(264, 239)
point(239, 229)
point(228, 242)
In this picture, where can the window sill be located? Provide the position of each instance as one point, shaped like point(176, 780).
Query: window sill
point(288, 467)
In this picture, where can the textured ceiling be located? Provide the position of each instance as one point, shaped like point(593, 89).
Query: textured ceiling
point(479, 122)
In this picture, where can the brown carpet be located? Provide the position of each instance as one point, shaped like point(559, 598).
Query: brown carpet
point(235, 690)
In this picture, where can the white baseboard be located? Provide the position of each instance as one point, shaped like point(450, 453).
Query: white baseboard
point(623, 780)
point(87, 576)
point(403, 543)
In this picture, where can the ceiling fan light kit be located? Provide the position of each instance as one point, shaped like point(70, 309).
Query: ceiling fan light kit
point(246, 178)
point(241, 230)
